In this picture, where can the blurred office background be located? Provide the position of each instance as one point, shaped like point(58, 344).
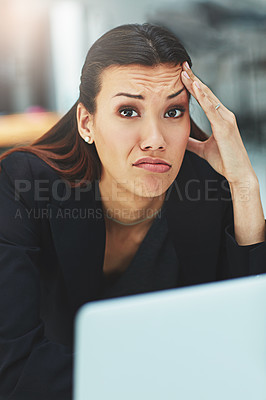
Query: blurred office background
point(43, 44)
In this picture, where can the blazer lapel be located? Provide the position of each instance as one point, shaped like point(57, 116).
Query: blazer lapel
point(78, 231)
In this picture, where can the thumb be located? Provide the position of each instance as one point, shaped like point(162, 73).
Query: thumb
point(196, 146)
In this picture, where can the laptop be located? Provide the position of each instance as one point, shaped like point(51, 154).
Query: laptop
point(205, 342)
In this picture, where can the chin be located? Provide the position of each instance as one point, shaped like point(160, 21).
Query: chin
point(152, 186)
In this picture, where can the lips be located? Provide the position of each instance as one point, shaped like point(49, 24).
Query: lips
point(150, 160)
point(152, 164)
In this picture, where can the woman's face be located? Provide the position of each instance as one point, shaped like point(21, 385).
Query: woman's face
point(141, 112)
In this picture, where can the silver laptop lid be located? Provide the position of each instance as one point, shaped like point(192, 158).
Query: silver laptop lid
point(202, 342)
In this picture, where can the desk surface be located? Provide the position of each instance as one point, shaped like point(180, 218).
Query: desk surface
point(19, 129)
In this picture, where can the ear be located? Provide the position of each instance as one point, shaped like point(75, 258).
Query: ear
point(85, 123)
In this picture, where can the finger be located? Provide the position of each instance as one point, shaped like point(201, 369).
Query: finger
point(190, 79)
point(196, 146)
point(222, 110)
point(204, 87)
point(209, 107)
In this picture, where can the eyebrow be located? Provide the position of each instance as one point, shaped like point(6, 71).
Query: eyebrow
point(140, 97)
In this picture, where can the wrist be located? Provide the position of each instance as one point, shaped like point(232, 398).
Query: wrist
point(245, 188)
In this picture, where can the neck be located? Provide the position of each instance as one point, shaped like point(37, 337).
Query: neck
point(128, 209)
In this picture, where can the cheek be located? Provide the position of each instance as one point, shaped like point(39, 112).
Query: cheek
point(123, 138)
point(114, 132)
point(180, 133)
point(113, 145)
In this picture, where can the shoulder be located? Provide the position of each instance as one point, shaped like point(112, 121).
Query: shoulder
point(26, 165)
point(198, 180)
point(201, 167)
point(26, 177)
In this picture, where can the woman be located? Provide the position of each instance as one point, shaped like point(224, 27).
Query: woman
point(124, 195)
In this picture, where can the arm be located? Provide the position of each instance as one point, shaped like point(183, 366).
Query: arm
point(238, 260)
point(246, 202)
point(31, 366)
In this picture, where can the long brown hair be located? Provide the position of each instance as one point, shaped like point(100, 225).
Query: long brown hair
point(62, 147)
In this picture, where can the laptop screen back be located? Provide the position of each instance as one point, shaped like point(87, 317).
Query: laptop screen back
point(202, 342)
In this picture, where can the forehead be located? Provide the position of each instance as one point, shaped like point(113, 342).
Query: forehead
point(140, 79)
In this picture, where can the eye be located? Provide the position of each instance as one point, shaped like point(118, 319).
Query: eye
point(175, 112)
point(128, 112)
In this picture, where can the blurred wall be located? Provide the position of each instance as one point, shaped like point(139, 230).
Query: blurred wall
point(25, 67)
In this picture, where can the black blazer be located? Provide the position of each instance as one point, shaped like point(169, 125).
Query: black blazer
point(52, 242)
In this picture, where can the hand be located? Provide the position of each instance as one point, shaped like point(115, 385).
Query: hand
point(224, 150)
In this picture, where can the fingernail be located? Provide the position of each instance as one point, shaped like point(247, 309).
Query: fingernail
point(187, 65)
point(197, 84)
point(186, 75)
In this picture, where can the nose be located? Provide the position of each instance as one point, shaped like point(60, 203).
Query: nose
point(152, 137)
